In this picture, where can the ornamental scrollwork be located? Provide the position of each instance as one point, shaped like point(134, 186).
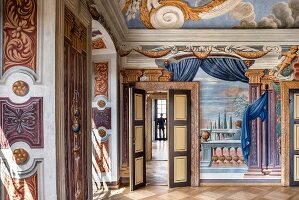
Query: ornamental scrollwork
point(20, 34)
point(200, 52)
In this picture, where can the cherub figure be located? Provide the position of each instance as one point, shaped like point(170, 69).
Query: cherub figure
point(289, 58)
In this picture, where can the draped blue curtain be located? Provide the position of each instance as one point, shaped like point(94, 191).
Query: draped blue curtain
point(185, 70)
point(259, 108)
point(228, 69)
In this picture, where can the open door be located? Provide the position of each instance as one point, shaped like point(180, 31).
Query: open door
point(179, 126)
point(137, 138)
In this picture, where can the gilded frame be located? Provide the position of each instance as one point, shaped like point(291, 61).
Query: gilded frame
point(285, 130)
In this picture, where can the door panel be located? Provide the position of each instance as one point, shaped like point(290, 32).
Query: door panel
point(137, 138)
point(294, 137)
point(179, 138)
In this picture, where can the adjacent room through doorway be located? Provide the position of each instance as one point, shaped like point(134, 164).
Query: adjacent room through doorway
point(157, 161)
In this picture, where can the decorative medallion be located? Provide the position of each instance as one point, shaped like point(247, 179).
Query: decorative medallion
point(20, 88)
point(21, 122)
point(102, 118)
point(21, 189)
point(98, 44)
point(101, 103)
point(102, 133)
point(21, 156)
point(101, 79)
point(19, 34)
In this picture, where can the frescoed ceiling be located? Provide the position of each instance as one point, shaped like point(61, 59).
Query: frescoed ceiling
point(210, 14)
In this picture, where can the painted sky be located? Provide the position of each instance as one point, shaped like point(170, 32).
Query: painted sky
point(247, 14)
point(216, 96)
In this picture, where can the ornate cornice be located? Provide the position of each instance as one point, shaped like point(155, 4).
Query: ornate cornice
point(146, 75)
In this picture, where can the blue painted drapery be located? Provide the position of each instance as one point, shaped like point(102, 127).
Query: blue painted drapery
point(228, 69)
point(185, 70)
point(259, 108)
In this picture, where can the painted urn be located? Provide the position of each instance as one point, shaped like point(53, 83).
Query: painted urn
point(205, 135)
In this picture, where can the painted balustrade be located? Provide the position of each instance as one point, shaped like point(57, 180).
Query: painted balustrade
point(222, 153)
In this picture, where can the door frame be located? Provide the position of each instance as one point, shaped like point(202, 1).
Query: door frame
point(195, 120)
point(286, 86)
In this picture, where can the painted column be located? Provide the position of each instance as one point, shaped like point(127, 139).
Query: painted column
point(264, 158)
point(256, 126)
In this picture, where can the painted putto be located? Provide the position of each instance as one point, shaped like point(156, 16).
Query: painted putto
point(165, 14)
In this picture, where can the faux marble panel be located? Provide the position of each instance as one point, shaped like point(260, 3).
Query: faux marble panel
point(21, 122)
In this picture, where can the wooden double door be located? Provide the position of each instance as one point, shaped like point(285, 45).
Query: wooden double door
point(179, 142)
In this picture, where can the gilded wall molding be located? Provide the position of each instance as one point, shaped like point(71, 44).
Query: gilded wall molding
point(285, 127)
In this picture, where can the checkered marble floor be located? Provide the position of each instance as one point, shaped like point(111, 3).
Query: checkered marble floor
point(202, 193)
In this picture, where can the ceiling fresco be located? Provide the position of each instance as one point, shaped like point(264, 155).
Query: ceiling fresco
point(209, 14)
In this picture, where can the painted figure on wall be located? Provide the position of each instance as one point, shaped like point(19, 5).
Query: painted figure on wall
point(289, 58)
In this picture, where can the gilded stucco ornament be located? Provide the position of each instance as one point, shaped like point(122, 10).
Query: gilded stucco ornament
point(20, 88)
point(20, 156)
point(287, 70)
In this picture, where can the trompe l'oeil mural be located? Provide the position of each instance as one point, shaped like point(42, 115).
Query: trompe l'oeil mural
point(163, 14)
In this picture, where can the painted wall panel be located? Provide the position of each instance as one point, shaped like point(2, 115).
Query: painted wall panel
point(180, 169)
point(180, 109)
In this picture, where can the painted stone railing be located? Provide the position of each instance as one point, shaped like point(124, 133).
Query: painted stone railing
point(222, 153)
